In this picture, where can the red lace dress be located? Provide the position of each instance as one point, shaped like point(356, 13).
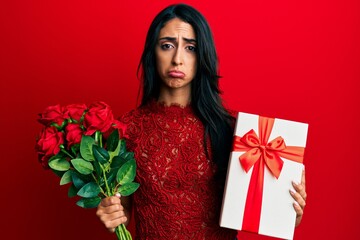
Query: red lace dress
point(177, 198)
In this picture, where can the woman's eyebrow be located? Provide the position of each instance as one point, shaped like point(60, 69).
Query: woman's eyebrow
point(173, 39)
point(190, 40)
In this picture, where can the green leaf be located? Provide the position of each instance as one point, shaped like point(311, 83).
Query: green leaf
point(77, 180)
point(75, 149)
point(86, 148)
point(82, 166)
point(89, 202)
point(97, 168)
point(117, 162)
point(127, 156)
point(113, 141)
point(101, 182)
point(111, 175)
point(128, 188)
point(122, 147)
point(116, 151)
point(100, 154)
point(89, 190)
point(127, 172)
point(72, 191)
point(66, 178)
point(59, 164)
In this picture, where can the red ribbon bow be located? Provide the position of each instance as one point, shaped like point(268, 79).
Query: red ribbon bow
point(258, 153)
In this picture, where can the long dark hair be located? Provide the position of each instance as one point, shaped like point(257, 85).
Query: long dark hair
point(205, 92)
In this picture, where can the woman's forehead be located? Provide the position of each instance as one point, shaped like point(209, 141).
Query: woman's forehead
point(177, 28)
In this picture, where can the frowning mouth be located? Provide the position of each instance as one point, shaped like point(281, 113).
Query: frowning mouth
point(176, 74)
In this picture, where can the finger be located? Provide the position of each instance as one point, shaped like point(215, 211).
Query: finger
point(109, 218)
point(298, 198)
point(112, 224)
point(110, 209)
point(110, 201)
point(300, 189)
point(303, 182)
point(299, 211)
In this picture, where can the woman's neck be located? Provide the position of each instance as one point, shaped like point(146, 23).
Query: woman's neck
point(181, 96)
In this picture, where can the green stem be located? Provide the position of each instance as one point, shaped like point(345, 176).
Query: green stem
point(97, 182)
point(92, 174)
point(66, 152)
point(98, 138)
point(121, 232)
point(108, 191)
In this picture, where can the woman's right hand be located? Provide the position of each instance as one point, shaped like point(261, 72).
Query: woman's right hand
point(111, 212)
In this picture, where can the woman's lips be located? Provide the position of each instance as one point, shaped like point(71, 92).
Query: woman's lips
point(176, 74)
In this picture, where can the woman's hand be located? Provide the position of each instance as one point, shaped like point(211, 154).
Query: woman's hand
point(112, 212)
point(300, 198)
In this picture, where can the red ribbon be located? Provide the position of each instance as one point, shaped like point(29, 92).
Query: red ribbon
point(258, 153)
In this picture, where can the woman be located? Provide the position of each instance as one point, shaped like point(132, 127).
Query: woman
point(181, 136)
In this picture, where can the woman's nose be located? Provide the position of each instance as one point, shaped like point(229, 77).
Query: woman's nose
point(177, 58)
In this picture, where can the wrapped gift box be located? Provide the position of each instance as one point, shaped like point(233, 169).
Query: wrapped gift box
point(267, 156)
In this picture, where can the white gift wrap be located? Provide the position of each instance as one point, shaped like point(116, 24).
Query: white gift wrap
point(277, 212)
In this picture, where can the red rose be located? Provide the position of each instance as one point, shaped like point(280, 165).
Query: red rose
point(52, 114)
point(73, 134)
point(75, 111)
point(98, 118)
point(48, 144)
point(121, 127)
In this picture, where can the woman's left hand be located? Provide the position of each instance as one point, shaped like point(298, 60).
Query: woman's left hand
point(300, 198)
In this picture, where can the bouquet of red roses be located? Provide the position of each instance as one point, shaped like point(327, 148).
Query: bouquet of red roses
point(85, 146)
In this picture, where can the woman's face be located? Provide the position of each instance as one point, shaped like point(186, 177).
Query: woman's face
point(176, 54)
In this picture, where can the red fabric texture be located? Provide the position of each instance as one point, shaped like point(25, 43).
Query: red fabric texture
point(178, 197)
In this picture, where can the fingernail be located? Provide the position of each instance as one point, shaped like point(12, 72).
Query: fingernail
point(117, 194)
point(292, 192)
point(297, 204)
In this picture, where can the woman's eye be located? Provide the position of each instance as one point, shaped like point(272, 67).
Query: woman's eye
point(166, 46)
point(192, 48)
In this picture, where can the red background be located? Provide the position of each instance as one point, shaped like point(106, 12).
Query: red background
point(297, 60)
